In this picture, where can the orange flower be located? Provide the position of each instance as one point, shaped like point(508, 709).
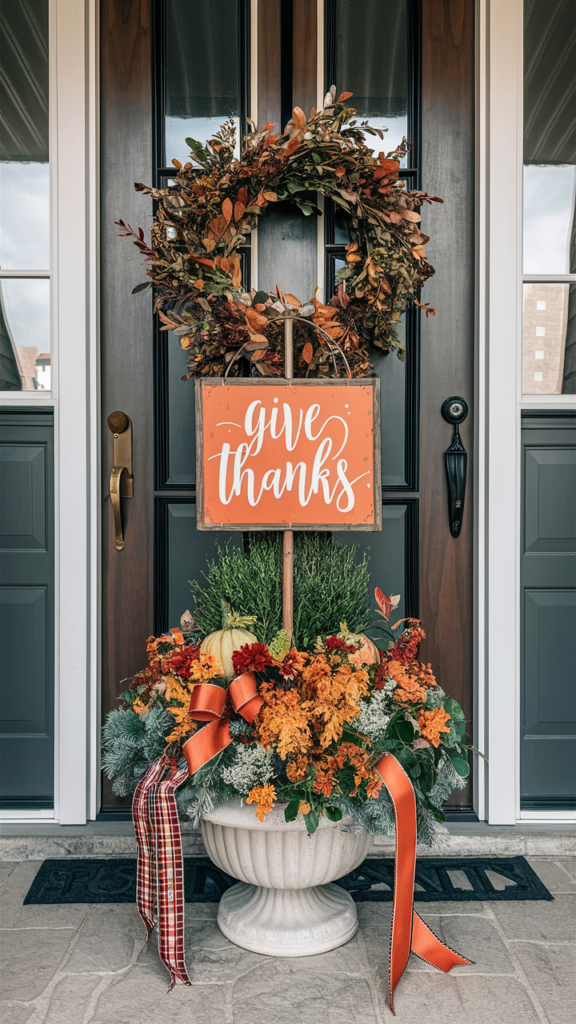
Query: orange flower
point(303, 807)
point(297, 769)
point(374, 785)
point(412, 681)
point(432, 723)
point(283, 721)
point(263, 797)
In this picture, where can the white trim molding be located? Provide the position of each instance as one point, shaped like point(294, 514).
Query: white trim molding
point(500, 208)
point(76, 408)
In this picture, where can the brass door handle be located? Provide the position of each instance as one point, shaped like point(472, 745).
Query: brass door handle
point(121, 478)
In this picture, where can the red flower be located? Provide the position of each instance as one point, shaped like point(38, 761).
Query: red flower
point(179, 661)
point(406, 647)
point(292, 663)
point(251, 658)
point(334, 643)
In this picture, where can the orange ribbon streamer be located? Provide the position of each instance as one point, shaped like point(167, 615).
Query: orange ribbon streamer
point(408, 930)
point(208, 704)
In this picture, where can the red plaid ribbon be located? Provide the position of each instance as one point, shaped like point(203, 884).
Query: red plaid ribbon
point(160, 876)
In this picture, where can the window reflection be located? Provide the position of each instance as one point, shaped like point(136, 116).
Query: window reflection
point(549, 204)
point(549, 346)
point(202, 72)
point(372, 63)
point(25, 362)
point(24, 216)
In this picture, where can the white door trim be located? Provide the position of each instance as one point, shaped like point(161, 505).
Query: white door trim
point(499, 199)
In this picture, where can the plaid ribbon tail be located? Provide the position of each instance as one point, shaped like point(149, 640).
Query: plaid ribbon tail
point(160, 875)
point(170, 868)
point(143, 829)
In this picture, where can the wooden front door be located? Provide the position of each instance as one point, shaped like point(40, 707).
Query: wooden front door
point(171, 69)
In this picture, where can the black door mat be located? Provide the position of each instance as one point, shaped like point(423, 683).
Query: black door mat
point(438, 880)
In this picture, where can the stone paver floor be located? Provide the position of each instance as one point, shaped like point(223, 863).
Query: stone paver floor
point(82, 964)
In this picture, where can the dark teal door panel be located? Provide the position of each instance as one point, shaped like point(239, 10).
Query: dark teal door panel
point(548, 580)
point(26, 610)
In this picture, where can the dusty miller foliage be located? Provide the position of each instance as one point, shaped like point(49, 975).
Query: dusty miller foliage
point(330, 585)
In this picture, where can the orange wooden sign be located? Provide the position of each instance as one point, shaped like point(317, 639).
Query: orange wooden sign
point(281, 455)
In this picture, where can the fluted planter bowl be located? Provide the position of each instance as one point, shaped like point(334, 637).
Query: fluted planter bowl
point(285, 903)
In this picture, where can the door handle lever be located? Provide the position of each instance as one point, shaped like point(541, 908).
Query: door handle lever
point(455, 411)
point(121, 478)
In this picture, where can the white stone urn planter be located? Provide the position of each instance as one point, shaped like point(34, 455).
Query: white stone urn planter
point(285, 904)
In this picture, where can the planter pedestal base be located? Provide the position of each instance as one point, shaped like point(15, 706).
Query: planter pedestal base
point(287, 922)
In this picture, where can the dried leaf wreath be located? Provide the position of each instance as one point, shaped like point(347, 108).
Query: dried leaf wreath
point(203, 219)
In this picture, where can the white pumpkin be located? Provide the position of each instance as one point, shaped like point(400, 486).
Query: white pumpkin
point(233, 635)
point(368, 651)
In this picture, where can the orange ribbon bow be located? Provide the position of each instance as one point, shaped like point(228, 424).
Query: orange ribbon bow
point(207, 704)
point(408, 930)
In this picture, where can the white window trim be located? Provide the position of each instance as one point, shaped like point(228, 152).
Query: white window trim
point(73, 59)
point(76, 300)
point(500, 404)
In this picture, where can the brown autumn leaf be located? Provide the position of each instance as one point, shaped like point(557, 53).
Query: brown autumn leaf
point(419, 251)
point(411, 215)
point(271, 197)
point(218, 227)
point(344, 96)
point(177, 163)
point(236, 272)
point(258, 355)
point(339, 171)
point(255, 321)
point(292, 145)
point(242, 196)
point(227, 210)
point(293, 301)
point(238, 210)
point(307, 352)
point(257, 342)
point(299, 117)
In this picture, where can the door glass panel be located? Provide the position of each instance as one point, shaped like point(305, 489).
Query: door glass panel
point(188, 552)
point(202, 72)
point(181, 468)
point(549, 339)
point(372, 63)
point(25, 334)
point(386, 550)
point(549, 136)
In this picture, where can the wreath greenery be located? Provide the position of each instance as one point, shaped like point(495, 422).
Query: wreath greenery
point(203, 219)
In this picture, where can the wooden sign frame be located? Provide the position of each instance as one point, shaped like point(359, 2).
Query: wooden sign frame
point(279, 383)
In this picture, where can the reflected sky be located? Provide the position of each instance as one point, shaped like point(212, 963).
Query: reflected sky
point(27, 310)
point(548, 218)
point(397, 129)
point(178, 129)
point(24, 216)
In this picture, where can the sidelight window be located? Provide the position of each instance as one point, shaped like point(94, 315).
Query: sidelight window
point(25, 359)
point(549, 199)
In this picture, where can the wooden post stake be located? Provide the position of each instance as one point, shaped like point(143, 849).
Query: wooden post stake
point(288, 536)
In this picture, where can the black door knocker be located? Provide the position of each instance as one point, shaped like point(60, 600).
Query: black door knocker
point(455, 411)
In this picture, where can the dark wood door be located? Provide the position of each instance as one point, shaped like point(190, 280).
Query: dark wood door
point(427, 87)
